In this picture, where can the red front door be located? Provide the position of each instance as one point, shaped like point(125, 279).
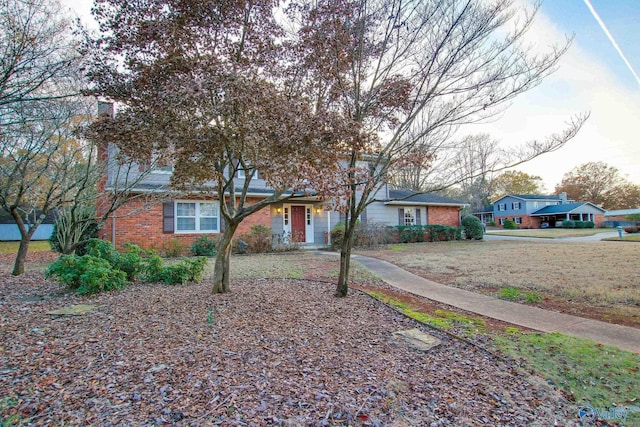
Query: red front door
point(298, 223)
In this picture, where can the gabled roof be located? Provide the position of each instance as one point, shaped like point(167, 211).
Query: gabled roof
point(484, 209)
point(405, 197)
point(622, 212)
point(564, 208)
point(531, 197)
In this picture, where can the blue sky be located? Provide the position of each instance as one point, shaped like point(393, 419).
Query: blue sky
point(591, 77)
point(621, 18)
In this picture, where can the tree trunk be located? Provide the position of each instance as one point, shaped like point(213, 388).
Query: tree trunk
point(222, 265)
point(25, 239)
point(345, 262)
point(18, 266)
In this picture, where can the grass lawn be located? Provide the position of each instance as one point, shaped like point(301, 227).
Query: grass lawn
point(583, 278)
point(34, 246)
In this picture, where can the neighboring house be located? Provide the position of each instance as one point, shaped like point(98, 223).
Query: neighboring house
point(621, 217)
point(9, 230)
point(538, 211)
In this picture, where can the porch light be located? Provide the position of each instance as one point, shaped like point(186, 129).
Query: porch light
point(318, 211)
point(279, 210)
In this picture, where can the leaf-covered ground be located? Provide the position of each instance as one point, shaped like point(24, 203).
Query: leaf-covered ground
point(272, 352)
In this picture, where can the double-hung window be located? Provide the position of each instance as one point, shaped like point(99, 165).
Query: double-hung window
point(515, 205)
point(197, 217)
point(409, 216)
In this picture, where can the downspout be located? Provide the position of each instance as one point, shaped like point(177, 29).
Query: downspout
point(113, 230)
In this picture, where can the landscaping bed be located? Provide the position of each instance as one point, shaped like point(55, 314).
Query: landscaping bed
point(272, 352)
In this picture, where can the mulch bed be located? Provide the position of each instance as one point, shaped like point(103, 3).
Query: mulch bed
point(271, 352)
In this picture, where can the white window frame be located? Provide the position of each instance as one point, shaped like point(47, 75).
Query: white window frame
point(515, 206)
point(517, 220)
point(409, 217)
point(502, 207)
point(197, 216)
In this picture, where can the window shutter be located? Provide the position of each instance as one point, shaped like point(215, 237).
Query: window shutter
point(418, 219)
point(400, 216)
point(168, 217)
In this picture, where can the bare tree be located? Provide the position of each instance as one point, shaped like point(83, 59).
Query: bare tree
point(43, 166)
point(401, 71)
point(39, 56)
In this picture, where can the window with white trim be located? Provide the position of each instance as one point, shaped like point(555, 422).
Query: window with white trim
point(502, 206)
point(515, 205)
point(409, 216)
point(517, 220)
point(197, 217)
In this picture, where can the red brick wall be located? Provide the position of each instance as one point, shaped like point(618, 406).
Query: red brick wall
point(444, 215)
point(526, 221)
point(143, 226)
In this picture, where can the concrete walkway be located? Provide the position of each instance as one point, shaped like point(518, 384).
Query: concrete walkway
point(623, 337)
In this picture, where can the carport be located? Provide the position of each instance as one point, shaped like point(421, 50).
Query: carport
point(554, 215)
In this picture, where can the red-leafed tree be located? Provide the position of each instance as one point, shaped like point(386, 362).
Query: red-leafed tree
point(210, 86)
point(405, 73)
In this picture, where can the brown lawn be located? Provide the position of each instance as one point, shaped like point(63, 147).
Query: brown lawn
point(592, 279)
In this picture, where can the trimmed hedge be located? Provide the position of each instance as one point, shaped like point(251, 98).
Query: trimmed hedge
point(578, 224)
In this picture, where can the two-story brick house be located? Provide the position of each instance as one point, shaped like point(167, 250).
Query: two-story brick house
point(540, 211)
point(185, 216)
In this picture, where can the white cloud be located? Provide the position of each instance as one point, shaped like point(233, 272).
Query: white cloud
point(582, 83)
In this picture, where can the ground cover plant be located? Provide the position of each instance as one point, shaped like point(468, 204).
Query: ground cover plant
point(590, 374)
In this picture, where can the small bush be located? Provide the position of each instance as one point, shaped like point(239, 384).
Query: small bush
point(284, 242)
point(131, 261)
point(258, 239)
point(86, 274)
point(174, 248)
point(508, 224)
point(204, 246)
point(411, 233)
point(371, 234)
point(472, 227)
point(103, 249)
point(152, 268)
point(189, 270)
point(443, 233)
point(73, 228)
point(337, 235)
point(632, 230)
